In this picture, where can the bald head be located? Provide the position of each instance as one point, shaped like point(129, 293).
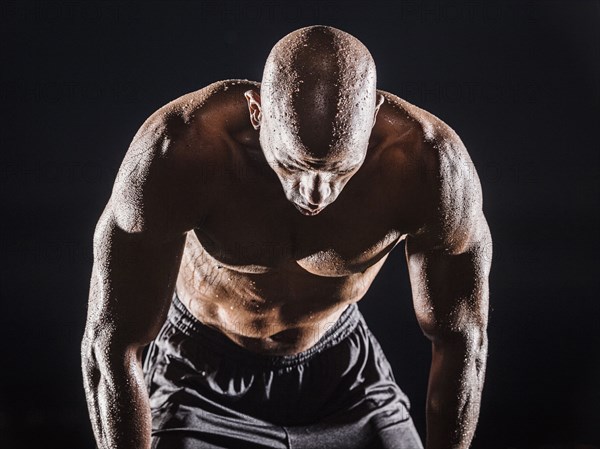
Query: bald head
point(321, 82)
point(317, 105)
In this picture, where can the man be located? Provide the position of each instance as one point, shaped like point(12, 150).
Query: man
point(247, 293)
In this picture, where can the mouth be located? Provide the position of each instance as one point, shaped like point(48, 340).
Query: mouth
point(308, 212)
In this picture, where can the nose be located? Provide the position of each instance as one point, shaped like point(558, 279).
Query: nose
point(314, 190)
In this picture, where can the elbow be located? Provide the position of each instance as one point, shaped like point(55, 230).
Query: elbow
point(465, 350)
point(464, 325)
point(88, 352)
point(93, 344)
point(471, 339)
point(106, 354)
point(90, 370)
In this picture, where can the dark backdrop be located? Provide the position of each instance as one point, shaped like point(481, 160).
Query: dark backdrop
point(518, 81)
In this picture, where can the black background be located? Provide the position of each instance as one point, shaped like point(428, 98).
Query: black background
point(518, 81)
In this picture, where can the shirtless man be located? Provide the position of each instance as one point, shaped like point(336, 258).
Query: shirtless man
point(246, 221)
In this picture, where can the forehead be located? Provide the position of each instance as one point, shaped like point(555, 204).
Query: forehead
point(341, 158)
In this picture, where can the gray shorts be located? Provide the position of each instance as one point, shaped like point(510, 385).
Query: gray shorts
point(208, 392)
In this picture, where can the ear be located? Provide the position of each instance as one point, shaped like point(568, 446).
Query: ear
point(380, 100)
point(253, 99)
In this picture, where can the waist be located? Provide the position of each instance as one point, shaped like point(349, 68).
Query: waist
point(247, 352)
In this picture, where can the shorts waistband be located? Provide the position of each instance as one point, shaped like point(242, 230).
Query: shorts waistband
point(187, 323)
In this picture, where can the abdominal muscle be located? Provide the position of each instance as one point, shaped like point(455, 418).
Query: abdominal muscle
point(281, 311)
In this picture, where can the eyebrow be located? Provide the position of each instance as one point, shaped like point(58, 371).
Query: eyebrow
point(335, 167)
point(343, 165)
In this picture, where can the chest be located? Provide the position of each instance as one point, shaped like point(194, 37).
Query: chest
point(259, 232)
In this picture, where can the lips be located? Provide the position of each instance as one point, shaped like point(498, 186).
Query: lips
point(308, 212)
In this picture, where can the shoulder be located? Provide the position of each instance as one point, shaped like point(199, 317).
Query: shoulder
point(432, 132)
point(166, 162)
point(419, 135)
point(452, 214)
point(201, 110)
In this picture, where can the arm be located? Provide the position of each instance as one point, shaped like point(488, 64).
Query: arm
point(132, 282)
point(449, 263)
point(138, 243)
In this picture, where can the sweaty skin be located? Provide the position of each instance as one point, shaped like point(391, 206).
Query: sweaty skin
point(268, 227)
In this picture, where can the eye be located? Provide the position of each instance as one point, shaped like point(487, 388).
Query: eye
point(345, 172)
point(286, 167)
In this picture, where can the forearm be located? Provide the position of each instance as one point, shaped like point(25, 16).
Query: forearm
point(117, 401)
point(454, 394)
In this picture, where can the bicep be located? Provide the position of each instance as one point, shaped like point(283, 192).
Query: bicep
point(138, 244)
point(132, 282)
point(450, 290)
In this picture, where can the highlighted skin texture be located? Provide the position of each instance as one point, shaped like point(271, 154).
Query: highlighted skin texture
point(270, 207)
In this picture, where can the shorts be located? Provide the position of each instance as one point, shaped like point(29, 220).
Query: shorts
point(208, 392)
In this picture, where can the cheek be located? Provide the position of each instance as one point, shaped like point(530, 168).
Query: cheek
point(289, 183)
point(338, 186)
point(292, 184)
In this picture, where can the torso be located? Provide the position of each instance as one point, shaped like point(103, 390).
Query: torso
point(270, 278)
